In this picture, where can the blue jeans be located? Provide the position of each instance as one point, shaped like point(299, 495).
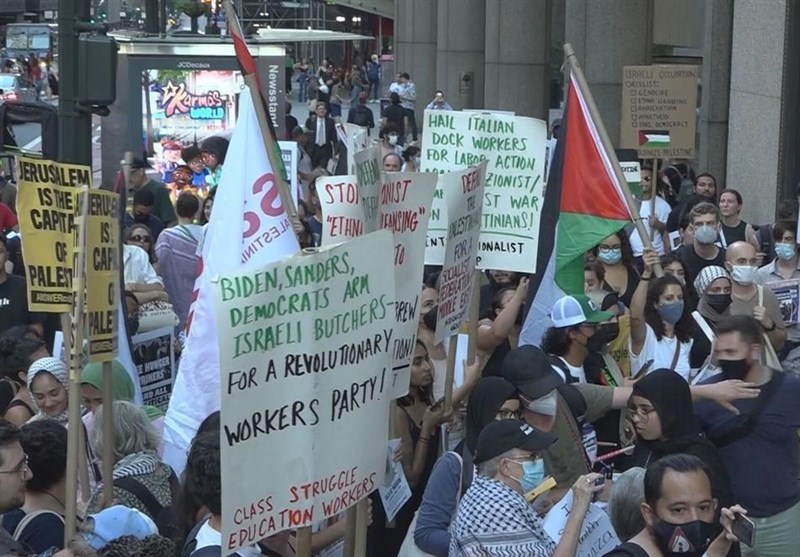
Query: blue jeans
point(303, 84)
point(375, 89)
point(354, 93)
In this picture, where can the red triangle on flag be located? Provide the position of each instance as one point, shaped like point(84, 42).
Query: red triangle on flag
point(587, 186)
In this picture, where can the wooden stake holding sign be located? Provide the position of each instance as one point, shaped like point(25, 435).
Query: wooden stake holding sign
point(654, 183)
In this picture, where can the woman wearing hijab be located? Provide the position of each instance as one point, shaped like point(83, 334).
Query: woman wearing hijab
point(47, 383)
point(661, 411)
point(713, 285)
point(492, 399)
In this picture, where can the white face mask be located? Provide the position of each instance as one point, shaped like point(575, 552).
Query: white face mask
point(744, 274)
point(392, 140)
point(545, 405)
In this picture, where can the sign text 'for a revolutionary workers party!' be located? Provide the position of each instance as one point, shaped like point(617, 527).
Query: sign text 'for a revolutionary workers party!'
point(306, 361)
point(464, 195)
point(102, 274)
point(659, 110)
point(514, 147)
point(47, 205)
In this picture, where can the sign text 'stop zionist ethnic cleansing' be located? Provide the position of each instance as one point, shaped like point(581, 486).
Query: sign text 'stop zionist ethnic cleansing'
point(514, 147)
point(305, 354)
point(659, 110)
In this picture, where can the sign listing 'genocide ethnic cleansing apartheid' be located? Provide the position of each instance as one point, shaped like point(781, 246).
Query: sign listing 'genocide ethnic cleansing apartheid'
point(659, 110)
point(463, 192)
point(102, 275)
point(515, 148)
point(306, 361)
point(48, 210)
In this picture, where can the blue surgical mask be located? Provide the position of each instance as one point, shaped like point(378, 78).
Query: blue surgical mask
point(785, 251)
point(532, 474)
point(705, 234)
point(610, 257)
point(672, 312)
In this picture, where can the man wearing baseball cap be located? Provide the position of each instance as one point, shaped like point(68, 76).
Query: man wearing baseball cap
point(494, 518)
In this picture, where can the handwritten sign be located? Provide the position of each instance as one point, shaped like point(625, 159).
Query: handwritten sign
point(102, 274)
point(343, 216)
point(515, 148)
point(659, 110)
point(597, 536)
point(368, 176)
point(153, 356)
point(464, 194)
point(47, 205)
point(305, 360)
point(405, 205)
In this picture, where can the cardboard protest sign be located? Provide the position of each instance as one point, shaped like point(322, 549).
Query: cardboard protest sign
point(342, 213)
point(597, 536)
point(305, 356)
point(514, 147)
point(659, 110)
point(788, 294)
point(154, 359)
point(290, 158)
point(103, 260)
point(47, 207)
point(464, 195)
point(405, 202)
point(368, 176)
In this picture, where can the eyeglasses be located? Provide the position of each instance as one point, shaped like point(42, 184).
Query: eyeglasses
point(138, 238)
point(21, 467)
point(506, 414)
point(642, 412)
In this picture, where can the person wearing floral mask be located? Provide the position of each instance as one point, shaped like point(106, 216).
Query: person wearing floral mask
point(661, 324)
point(785, 266)
point(704, 220)
point(620, 275)
point(750, 298)
point(681, 515)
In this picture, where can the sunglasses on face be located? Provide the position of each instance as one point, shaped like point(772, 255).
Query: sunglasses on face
point(139, 238)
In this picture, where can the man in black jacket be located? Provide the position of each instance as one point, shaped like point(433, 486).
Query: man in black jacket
point(322, 133)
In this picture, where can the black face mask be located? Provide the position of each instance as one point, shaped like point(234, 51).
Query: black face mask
point(685, 540)
point(735, 369)
point(429, 319)
point(718, 302)
point(604, 334)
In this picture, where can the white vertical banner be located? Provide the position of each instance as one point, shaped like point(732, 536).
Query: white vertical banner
point(464, 195)
point(514, 147)
point(305, 358)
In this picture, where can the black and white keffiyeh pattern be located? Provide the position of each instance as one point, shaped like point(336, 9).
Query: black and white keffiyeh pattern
point(495, 521)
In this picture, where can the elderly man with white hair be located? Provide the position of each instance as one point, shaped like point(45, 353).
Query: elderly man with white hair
point(494, 519)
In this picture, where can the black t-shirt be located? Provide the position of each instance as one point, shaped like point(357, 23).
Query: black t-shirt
point(395, 114)
point(14, 304)
point(694, 264)
point(44, 531)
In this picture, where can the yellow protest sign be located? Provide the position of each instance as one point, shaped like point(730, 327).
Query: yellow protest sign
point(102, 275)
point(47, 207)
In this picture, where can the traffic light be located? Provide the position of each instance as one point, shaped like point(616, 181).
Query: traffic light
point(97, 70)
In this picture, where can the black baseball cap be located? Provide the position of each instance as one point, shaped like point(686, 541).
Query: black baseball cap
point(502, 436)
point(528, 368)
point(140, 163)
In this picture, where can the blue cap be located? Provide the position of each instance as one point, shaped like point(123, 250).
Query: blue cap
point(115, 522)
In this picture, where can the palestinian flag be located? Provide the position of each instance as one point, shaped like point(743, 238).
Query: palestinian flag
point(654, 138)
point(583, 204)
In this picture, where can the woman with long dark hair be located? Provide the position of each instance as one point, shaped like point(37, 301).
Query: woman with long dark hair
point(616, 256)
point(661, 324)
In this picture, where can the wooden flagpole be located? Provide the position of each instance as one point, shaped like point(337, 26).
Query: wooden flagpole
point(575, 68)
point(654, 193)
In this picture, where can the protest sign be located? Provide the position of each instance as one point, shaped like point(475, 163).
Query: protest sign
point(788, 294)
point(368, 176)
point(342, 213)
point(154, 359)
point(633, 175)
point(395, 491)
point(305, 361)
point(515, 148)
point(597, 536)
point(355, 139)
point(659, 110)
point(405, 201)
point(290, 157)
point(464, 195)
point(102, 275)
point(47, 207)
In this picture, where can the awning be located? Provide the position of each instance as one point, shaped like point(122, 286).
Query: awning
point(383, 8)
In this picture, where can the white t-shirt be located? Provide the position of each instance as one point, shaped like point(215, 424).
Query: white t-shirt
point(207, 536)
point(662, 213)
point(137, 267)
point(575, 372)
point(661, 352)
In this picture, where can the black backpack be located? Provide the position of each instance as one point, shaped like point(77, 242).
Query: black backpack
point(165, 518)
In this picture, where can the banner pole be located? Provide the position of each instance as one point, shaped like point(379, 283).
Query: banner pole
point(108, 435)
point(351, 519)
point(474, 317)
point(452, 347)
point(575, 68)
point(304, 542)
point(654, 192)
point(72, 326)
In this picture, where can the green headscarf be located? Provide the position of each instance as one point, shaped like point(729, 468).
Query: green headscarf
point(122, 384)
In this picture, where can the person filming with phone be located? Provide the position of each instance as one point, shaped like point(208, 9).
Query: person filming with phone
point(682, 517)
